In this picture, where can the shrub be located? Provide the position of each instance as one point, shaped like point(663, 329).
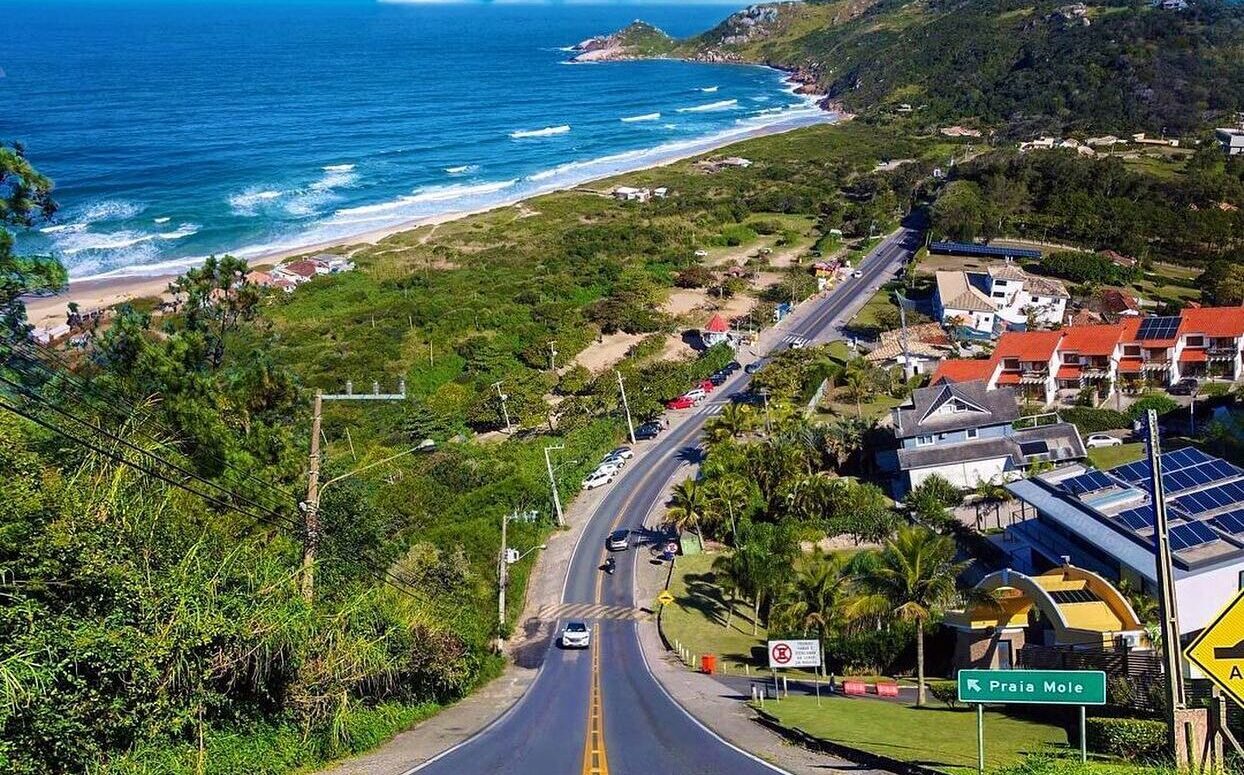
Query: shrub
point(1161, 403)
point(1079, 267)
point(1090, 420)
point(695, 277)
point(946, 691)
point(872, 652)
point(1128, 738)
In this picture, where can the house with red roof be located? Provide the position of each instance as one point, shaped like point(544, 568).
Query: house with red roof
point(1118, 304)
point(716, 331)
point(1206, 343)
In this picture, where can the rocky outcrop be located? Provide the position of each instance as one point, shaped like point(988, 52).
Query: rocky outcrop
point(637, 40)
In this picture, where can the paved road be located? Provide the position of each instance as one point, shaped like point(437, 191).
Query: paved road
point(601, 710)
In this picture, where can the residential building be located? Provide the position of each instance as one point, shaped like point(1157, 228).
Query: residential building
point(925, 346)
point(299, 272)
point(631, 194)
point(1231, 139)
point(1103, 521)
point(967, 434)
point(1003, 298)
point(1119, 304)
point(1043, 366)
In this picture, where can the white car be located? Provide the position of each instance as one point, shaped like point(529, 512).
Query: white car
point(598, 479)
point(623, 452)
point(1102, 440)
point(696, 394)
point(609, 468)
point(857, 273)
point(576, 635)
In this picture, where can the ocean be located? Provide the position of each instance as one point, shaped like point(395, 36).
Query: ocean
point(176, 129)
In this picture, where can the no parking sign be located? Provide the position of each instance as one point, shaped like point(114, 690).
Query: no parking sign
point(794, 653)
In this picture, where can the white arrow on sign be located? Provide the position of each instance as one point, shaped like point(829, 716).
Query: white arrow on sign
point(974, 685)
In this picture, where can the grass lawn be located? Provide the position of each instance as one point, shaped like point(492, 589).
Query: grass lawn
point(838, 402)
point(894, 730)
point(1109, 457)
point(696, 619)
point(866, 319)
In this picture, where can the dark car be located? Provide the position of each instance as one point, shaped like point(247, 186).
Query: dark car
point(718, 378)
point(731, 367)
point(648, 430)
point(618, 541)
point(751, 368)
point(1184, 387)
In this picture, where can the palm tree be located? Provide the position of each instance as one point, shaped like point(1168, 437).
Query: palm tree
point(860, 383)
point(990, 492)
point(730, 493)
point(816, 598)
point(734, 421)
point(729, 575)
point(843, 438)
point(913, 581)
point(685, 509)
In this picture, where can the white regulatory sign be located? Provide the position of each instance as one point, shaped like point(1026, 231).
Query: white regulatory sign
point(794, 653)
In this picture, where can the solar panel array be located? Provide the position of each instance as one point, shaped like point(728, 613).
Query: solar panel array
point(1064, 596)
point(1232, 521)
point(1230, 494)
point(1158, 328)
point(972, 249)
point(1181, 470)
point(1090, 482)
point(1139, 518)
point(1191, 534)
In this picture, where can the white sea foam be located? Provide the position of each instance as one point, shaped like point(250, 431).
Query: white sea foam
point(339, 168)
point(110, 210)
point(712, 106)
point(61, 227)
point(164, 219)
point(248, 202)
point(708, 89)
point(548, 131)
point(644, 117)
point(463, 169)
point(336, 176)
point(181, 232)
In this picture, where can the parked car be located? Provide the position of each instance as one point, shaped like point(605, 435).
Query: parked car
point(647, 431)
point(1184, 387)
point(707, 385)
point(682, 402)
point(732, 366)
point(609, 467)
point(611, 461)
point(751, 368)
point(1102, 440)
point(696, 394)
point(597, 479)
point(623, 452)
point(718, 378)
point(618, 541)
point(576, 636)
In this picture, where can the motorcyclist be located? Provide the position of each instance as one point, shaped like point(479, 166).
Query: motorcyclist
point(610, 564)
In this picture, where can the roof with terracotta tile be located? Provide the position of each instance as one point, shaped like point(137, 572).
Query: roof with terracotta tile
point(962, 370)
point(1213, 321)
point(956, 292)
point(1091, 340)
point(1028, 345)
point(1118, 301)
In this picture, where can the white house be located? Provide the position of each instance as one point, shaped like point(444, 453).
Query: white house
point(1005, 297)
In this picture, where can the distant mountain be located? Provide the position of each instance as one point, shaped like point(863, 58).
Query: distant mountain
point(1029, 66)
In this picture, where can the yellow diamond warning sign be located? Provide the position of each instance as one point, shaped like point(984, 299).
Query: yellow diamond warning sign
point(665, 598)
point(1219, 650)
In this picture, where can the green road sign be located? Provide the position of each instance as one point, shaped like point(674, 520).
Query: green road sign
point(1034, 687)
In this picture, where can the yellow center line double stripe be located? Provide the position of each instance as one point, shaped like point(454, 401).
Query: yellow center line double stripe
point(595, 762)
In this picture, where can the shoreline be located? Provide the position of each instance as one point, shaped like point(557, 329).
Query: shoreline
point(108, 290)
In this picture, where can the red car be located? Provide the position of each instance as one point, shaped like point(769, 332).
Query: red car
point(707, 386)
point(682, 402)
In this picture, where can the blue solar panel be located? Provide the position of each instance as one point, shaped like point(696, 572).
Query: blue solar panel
point(1090, 482)
point(1140, 518)
point(1133, 472)
point(1181, 458)
point(1232, 521)
point(1158, 328)
point(972, 249)
point(1214, 498)
point(1191, 534)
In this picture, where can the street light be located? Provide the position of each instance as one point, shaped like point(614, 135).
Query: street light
point(557, 501)
point(503, 577)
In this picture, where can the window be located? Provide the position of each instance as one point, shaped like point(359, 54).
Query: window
point(1131, 349)
point(924, 441)
point(999, 294)
point(1240, 583)
point(972, 433)
point(1196, 341)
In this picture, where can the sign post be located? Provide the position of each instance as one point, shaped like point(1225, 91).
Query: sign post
point(794, 653)
point(1030, 687)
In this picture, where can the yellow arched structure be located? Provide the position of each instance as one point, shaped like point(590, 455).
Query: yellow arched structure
point(1081, 607)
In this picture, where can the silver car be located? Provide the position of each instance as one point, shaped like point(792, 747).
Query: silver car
point(576, 635)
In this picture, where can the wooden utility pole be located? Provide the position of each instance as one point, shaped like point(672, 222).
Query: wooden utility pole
point(630, 426)
point(503, 578)
point(311, 513)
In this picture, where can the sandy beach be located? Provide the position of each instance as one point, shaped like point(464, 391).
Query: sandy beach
point(105, 291)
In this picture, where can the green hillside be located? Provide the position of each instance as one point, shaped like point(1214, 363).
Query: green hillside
point(1029, 67)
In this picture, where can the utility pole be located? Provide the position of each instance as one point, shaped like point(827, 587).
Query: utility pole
point(764, 393)
point(552, 356)
point(505, 413)
point(902, 316)
point(1167, 604)
point(503, 578)
point(630, 426)
point(311, 515)
point(311, 507)
point(557, 500)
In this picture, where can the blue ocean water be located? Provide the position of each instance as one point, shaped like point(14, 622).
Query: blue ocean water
point(176, 129)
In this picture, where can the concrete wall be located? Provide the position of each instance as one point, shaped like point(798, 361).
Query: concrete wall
point(963, 474)
point(978, 649)
point(1203, 595)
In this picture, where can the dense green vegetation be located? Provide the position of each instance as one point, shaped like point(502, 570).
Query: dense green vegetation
point(1031, 67)
point(1060, 196)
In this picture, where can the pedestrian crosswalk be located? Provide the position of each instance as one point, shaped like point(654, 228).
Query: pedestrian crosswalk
point(590, 611)
point(794, 340)
point(713, 409)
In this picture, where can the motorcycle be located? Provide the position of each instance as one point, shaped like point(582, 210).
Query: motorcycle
point(610, 566)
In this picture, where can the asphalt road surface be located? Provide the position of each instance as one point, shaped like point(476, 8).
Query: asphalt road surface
point(600, 710)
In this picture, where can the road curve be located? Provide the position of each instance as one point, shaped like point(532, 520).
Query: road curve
point(601, 710)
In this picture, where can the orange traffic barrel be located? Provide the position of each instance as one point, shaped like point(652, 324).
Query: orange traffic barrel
point(708, 663)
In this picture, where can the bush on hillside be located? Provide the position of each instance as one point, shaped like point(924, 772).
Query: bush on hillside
point(1162, 404)
point(945, 691)
point(1090, 420)
point(1082, 267)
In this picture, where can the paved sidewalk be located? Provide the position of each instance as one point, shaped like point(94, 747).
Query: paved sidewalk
point(718, 706)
